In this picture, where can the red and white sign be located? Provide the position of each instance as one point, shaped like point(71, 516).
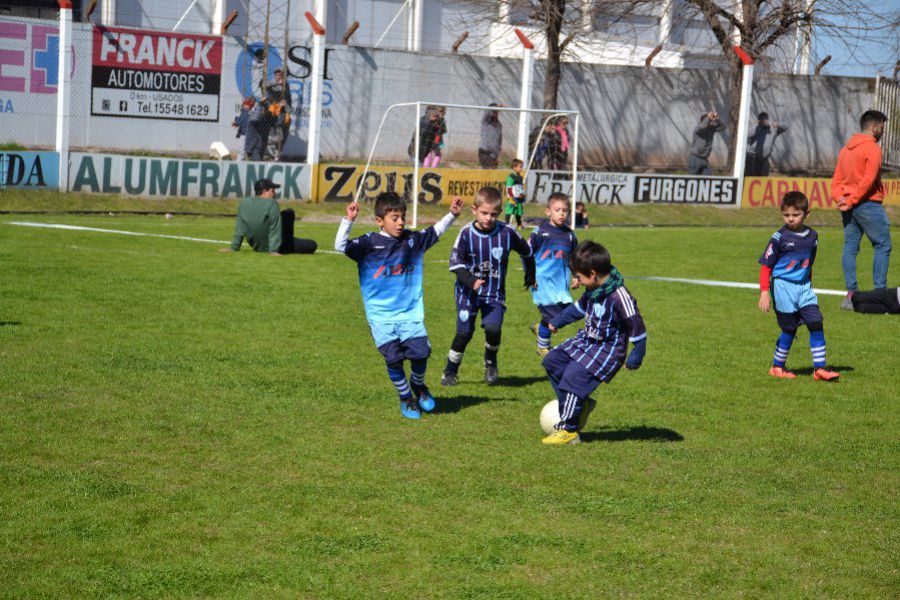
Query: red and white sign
point(155, 74)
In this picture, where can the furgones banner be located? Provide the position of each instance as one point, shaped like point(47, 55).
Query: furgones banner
point(155, 75)
point(630, 188)
point(143, 176)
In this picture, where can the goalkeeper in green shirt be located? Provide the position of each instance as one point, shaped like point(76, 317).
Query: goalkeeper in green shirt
point(515, 193)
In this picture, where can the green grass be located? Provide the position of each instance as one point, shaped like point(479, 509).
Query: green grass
point(177, 422)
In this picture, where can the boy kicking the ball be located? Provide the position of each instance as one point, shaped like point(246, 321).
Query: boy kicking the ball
point(390, 277)
point(597, 352)
point(786, 273)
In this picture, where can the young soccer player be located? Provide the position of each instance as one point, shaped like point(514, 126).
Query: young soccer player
point(552, 243)
point(515, 193)
point(596, 353)
point(390, 278)
point(787, 271)
point(480, 258)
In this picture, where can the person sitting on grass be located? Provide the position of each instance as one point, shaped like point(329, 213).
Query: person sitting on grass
point(582, 220)
point(786, 274)
point(882, 301)
point(596, 353)
point(390, 264)
point(265, 228)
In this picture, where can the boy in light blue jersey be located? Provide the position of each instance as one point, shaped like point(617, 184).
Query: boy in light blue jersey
point(390, 265)
point(552, 242)
point(786, 270)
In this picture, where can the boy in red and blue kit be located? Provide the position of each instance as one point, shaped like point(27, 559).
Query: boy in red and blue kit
point(596, 353)
point(786, 274)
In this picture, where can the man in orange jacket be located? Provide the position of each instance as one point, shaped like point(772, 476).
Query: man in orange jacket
point(857, 188)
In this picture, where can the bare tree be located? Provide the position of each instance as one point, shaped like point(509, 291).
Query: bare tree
point(773, 31)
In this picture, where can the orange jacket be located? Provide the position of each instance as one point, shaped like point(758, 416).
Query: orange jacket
point(857, 176)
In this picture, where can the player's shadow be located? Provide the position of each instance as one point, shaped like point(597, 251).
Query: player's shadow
point(640, 433)
point(517, 381)
point(457, 403)
point(809, 370)
point(10, 323)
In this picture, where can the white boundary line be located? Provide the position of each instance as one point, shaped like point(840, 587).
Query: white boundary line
point(706, 282)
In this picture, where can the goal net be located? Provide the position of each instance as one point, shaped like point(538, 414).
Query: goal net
point(426, 145)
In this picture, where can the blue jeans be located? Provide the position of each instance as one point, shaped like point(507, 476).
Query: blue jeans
point(866, 218)
point(698, 165)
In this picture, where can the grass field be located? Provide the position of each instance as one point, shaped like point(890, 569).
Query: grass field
point(183, 423)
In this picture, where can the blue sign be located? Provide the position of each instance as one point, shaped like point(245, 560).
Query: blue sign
point(29, 170)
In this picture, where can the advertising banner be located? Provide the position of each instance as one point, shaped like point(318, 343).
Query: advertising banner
point(155, 177)
point(338, 182)
point(768, 191)
point(630, 188)
point(31, 170)
point(155, 75)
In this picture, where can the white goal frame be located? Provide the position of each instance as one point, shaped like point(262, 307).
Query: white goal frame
point(549, 114)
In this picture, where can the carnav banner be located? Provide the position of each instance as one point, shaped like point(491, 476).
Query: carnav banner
point(631, 188)
point(339, 182)
point(768, 191)
point(156, 177)
point(29, 170)
point(155, 74)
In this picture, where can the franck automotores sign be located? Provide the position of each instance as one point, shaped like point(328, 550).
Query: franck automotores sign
point(155, 75)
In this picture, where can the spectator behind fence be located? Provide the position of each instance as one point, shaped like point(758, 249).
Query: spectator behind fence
point(558, 144)
point(491, 143)
point(278, 97)
point(760, 144)
point(857, 188)
point(539, 144)
point(439, 127)
point(264, 227)
point(241, 123)
point(431, 130)
point(257, 136)
point(701, 143)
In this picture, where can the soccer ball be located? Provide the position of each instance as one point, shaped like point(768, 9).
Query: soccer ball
point(550, 416)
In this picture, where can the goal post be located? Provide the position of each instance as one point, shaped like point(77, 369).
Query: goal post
point(453, 136)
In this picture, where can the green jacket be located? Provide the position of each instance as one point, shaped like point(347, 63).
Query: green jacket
point(258, 220)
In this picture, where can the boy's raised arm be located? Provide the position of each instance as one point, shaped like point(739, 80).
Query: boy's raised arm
point(441, 227)
point(343, 232)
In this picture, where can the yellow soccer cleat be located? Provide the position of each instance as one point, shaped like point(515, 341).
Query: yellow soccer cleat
point(542, 352)
point(561, 436)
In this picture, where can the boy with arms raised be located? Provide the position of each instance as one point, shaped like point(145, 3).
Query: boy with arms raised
point(597, 352)
point(390, 265)
point(552, 243)
point(480, 260)
point(786, 270)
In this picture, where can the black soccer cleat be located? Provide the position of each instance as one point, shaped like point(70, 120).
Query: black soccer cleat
point(449, 379)
point(491, 375)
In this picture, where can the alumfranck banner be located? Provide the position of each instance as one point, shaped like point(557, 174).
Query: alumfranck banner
point(155, 177)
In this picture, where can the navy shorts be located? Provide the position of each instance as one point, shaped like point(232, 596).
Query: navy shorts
point(568, 375)
point(467, 311)
point(415, 348)
point(791, 321)
point(550, 311)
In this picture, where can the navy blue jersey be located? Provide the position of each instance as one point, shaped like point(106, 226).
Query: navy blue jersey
point(610, 322)
point(552, 246)
point(486, 256)
point(390, 273)
point(791, 255)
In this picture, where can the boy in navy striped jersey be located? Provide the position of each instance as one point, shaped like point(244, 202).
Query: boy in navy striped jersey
point(480, 260)
point(597, 352)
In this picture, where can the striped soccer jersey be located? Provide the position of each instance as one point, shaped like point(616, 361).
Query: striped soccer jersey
point(610, 322)
point(486, 256)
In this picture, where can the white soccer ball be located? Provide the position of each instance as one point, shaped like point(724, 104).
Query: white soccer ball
point(550, 416)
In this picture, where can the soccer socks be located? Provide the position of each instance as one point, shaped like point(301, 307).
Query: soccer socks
point(491, 345)
point(817, 347)
point(398, 378)
point(782, 347)
point(417, 372)
point(570, 407)
point(543, 336)
point(457, 349)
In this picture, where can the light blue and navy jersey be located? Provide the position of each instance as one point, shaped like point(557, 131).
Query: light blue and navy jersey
point(552, 246)
point(486, 256)
point(390, 273)
point(791, 254)
point(610, 322)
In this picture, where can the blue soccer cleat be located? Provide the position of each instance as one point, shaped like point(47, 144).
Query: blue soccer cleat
point(426, 400)
point(410, 409)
